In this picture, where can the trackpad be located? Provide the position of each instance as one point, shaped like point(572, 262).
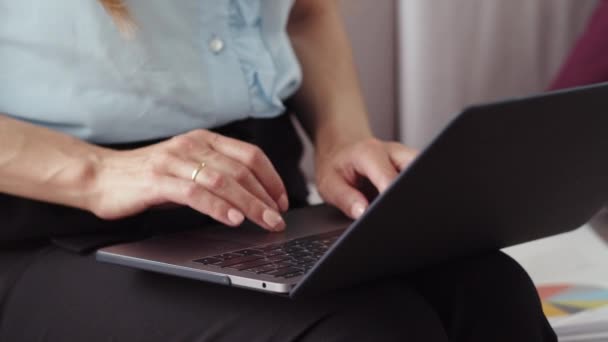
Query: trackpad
point(184, 246)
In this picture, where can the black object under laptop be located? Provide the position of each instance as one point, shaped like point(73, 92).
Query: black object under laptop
point(500, 174)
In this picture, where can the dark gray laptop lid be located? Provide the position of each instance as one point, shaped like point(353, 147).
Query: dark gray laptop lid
point(498, 175)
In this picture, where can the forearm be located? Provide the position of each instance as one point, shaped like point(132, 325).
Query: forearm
point(330, 103)
point(41, 164)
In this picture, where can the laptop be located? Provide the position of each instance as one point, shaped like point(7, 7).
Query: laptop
point(500, 174)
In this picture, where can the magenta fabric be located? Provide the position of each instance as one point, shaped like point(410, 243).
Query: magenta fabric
point(588, 61)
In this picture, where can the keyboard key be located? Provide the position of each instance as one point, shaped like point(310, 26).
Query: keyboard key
point(209, 261)
point(300, 252)
point(292, 275)
point(290, 250)
point(283, 271)
point(277, 258)
point(293, 243)
point(300, 255)
point(282, 264)
point(269, 247)
point(248, 252)
point(262, 269)
point(239, 260)
point(312, 238)
point(228, 256)
point(306, 262)
point(275, 253)
point(251, 264)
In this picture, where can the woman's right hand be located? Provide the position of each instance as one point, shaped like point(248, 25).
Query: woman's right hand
point(237, 181)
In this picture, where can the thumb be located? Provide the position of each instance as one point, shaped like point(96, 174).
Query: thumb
point(337, 192)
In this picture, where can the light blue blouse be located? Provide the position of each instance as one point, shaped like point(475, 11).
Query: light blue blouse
point(190, 64)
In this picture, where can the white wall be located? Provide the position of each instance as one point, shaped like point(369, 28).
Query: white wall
point(454, 53)
point(422, 61)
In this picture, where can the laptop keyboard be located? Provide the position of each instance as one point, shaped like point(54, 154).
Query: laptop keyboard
point(286, 260)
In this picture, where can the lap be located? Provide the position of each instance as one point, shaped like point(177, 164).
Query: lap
point(57, 294)
point(62, 294)
point(481, 296)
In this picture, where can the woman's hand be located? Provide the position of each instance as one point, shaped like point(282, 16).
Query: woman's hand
point(340, 170)
point(236, 181)
point(332, 110)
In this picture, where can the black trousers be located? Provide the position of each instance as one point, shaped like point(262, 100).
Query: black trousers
point(52, 289)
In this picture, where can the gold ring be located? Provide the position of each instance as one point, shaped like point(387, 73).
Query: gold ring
point(197, 170)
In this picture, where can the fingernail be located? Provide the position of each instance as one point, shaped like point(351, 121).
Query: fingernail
point(235, 216)
point(283, 202)
point(357, 210)
point(273, 219)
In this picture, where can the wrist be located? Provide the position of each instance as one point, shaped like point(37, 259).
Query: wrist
point(84, 180)
point(335, 135)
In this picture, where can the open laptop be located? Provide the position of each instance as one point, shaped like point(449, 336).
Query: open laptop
point(498, 175)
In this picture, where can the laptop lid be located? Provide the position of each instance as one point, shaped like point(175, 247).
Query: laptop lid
point(498, 175)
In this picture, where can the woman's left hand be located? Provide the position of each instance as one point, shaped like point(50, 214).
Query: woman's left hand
point(339, 171)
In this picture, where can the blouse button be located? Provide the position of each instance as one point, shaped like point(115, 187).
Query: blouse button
point(216, 45)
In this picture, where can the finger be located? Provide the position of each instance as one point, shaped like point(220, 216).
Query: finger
point(190, 194)
point(400, 155)
point(225, 187)
point(336, 191)
point(253, 158)
point(230, 190)
point(377, 167)
point(240, 173)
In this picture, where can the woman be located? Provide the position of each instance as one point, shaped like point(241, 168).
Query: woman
point(116, 112)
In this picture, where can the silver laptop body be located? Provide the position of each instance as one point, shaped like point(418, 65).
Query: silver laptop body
point(182, 253)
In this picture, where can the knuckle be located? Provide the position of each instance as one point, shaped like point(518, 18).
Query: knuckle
point(213, 138)
point(215, 180)
point(218, 208)
point(323, 181)
point(241, 173)
point(253, 155)
point(374, 141)
point(104, 213)
point(371, 144)
point(181, 143)
point(397, 146)
point(192, 191)
point(160, 161)
point(199, 134)
point(204, 135)
point(151, 179)
point(254, 209)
